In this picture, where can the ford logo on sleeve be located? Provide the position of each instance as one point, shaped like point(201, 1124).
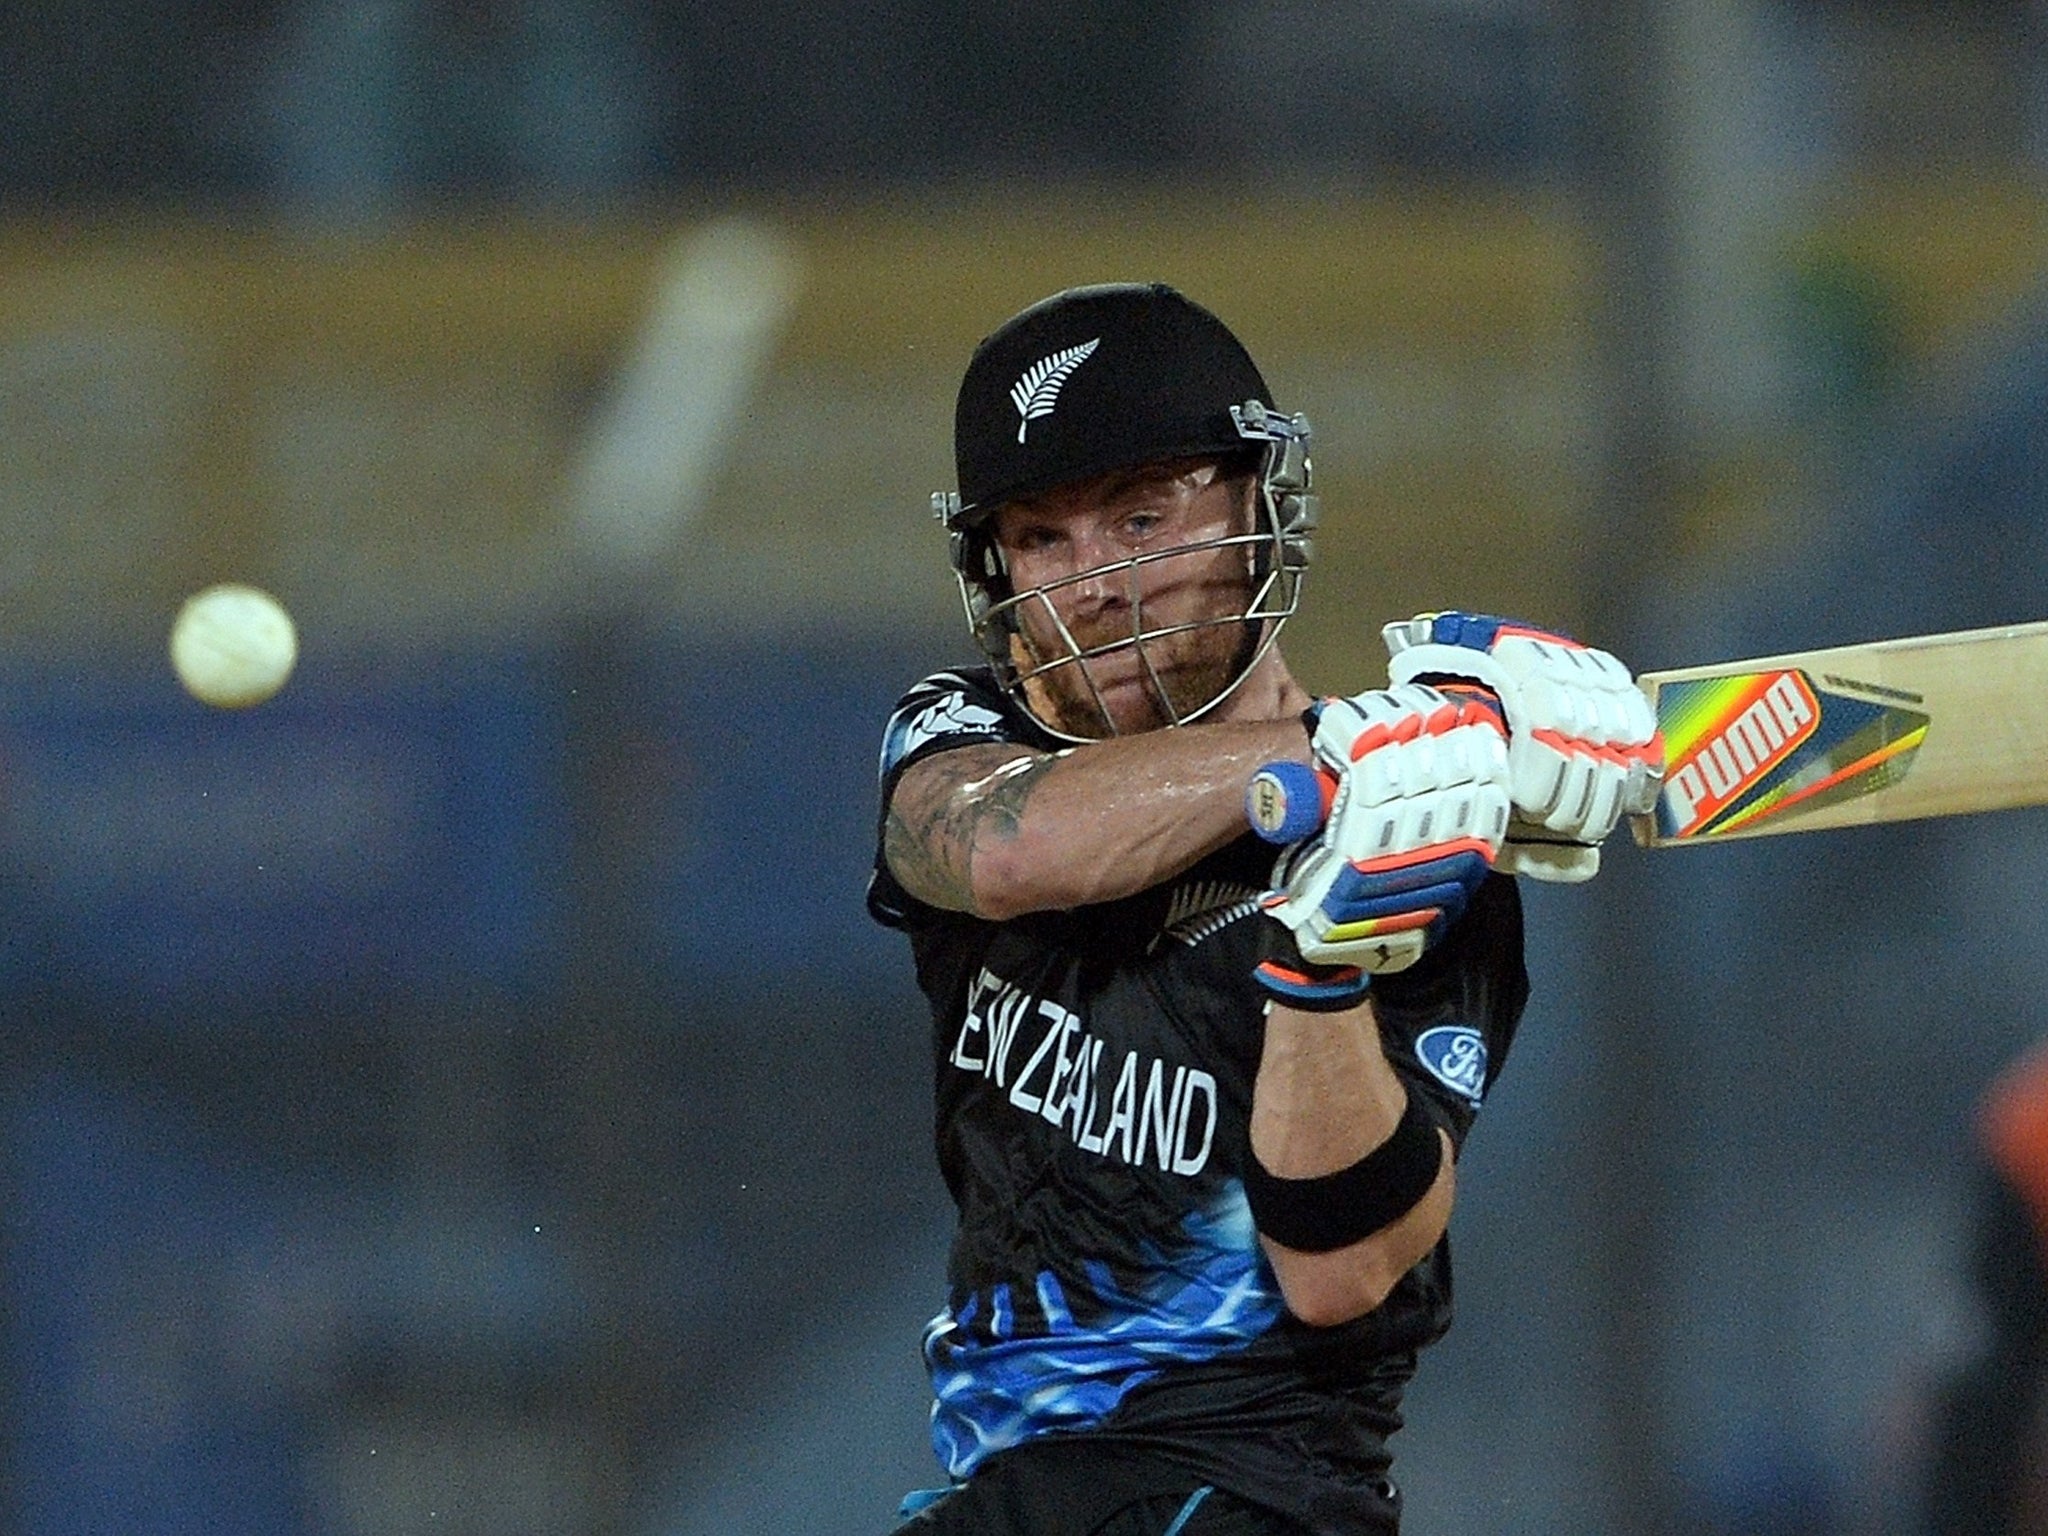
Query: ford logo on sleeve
point(1455, 1055)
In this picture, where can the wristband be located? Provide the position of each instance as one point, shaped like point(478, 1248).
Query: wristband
point(1335, 1210)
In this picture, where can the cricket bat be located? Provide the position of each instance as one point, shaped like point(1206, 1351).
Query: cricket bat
point(1893, 730)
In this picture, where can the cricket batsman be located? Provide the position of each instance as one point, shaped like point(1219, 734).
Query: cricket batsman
point(1200, 1100)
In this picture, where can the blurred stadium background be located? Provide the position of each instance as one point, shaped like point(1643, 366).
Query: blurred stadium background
point(465, 1095)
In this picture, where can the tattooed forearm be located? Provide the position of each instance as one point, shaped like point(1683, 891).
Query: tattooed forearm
point(997, 801)
point(937, 819)
point(1000, 830)
point(930, 869)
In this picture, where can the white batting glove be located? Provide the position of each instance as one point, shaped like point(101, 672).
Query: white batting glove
point(1419, 808)
point(1583, 748)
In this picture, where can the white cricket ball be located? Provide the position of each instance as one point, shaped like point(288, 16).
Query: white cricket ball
point(233, 645)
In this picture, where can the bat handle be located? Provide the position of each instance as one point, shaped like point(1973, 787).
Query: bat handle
point(1288, 801)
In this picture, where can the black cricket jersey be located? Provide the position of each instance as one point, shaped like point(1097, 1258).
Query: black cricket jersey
point(1093, 1075)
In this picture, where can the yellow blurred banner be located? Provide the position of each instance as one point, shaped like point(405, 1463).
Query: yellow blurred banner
point(385, 428)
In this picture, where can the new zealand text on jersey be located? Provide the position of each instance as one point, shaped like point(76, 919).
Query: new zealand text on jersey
point(1153, 1114)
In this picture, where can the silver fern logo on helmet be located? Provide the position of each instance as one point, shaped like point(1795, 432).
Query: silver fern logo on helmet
point(1038, 390)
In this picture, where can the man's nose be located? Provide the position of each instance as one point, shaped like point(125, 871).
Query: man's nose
point(1101, 578)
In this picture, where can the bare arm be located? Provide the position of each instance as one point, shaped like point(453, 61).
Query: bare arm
point(1001, 830)
point(1325, 1097)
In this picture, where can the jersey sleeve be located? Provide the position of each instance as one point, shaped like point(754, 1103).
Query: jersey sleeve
point(1449, 1020)
point(942, 712)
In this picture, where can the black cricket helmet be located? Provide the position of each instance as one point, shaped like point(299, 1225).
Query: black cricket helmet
point(1098, 379)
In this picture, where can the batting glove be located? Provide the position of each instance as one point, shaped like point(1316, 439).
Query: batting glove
point(1583, 748)
point(1417, 804)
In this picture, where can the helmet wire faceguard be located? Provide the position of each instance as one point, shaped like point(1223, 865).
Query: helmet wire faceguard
point(1276, 553)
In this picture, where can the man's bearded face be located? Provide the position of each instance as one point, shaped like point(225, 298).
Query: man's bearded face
point(1136, 617)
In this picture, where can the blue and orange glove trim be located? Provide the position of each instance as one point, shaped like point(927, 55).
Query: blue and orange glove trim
point(1287, 978)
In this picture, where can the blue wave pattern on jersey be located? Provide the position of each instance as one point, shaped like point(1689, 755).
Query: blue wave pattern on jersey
point(993, 1390)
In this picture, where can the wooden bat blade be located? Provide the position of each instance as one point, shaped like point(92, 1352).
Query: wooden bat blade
point(1931, 725)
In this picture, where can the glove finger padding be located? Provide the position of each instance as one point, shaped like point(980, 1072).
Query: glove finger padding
point(1583, 748)
point(1415, 823)
point(1542, 855)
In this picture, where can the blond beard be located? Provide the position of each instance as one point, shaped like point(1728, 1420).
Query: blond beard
point(1199, 665)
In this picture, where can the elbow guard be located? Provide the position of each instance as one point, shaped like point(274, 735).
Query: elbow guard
point(1335, 1210)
